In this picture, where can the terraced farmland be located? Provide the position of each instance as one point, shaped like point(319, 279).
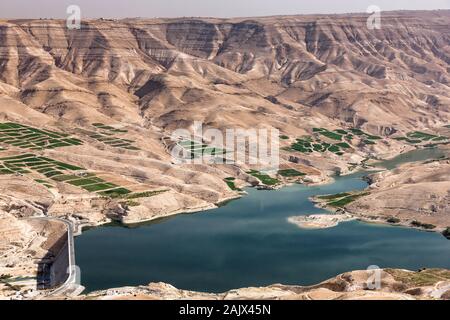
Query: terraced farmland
point(26, 137)
point(48, 172)
point(418, 138)
point(340, 200)
point(28, 163)
point(338, 141)
point(364, 135)
point(195, 149)
point(110, 129)
point(108, 135)
point(334, 135)
point(310, 145)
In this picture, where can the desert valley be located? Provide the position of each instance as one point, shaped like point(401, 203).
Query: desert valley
point(86, 123)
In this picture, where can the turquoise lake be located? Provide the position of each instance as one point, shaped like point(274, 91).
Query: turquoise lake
point(249, 242)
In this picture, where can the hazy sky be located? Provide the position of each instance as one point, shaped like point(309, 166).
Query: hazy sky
point(209, 8)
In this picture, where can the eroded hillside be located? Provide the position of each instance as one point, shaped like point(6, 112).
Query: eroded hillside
point(298, 74)
point(86, 115)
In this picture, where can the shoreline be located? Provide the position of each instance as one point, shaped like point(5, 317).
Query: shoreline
point(283, 184)
point(200, 209)
point(343, 214)
point(336, 217)
point(80, 227)
point(330, 179)
point(372, 220)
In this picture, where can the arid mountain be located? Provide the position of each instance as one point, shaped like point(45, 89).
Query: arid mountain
point(86, 115)
point(169, 72)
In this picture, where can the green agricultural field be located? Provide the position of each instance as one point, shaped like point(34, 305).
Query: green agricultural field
point(411, 141)
point(264, 178)
point(358, 132)
point(306, 146)
point(213, 151)
point(334, 149)
point(52, 174)
point(421, 136)
point(109, 128)
point(190, 143)
point(370, 137)
point(441, 138)
point(343, 145)
point(40, 181)
point(63, 178)
point(26, 137)
point(362, 134)
point(291, 173)
point(310, 144)
point(196, 149)
point(426, 226)
point(302, 146)
point(45, 183)
point(334, 196)
point(66, 165)
point(343, 199)
point(146, 194)
point(418, 137)
point(393, 220)
point(109, 135)
point(98, 187)
point(85, 181)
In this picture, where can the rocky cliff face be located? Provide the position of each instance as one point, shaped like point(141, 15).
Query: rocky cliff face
point(395, 77)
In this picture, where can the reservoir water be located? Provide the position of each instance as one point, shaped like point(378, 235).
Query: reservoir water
point(249, 242)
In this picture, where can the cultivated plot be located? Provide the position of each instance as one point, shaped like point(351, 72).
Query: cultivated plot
point(418, 138)
point(48, 172)
point(337, 141)
point(26, 137)
point(195, 149)
point(109, 135)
